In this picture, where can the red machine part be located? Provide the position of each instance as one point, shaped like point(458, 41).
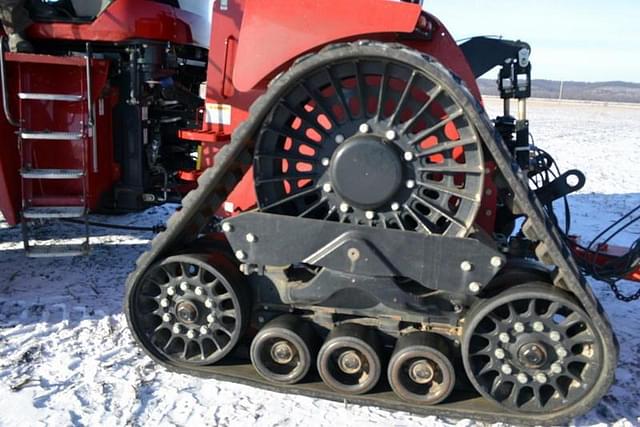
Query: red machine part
point(603, 256)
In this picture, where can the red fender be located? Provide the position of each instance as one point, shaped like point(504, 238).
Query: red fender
point(275, 32)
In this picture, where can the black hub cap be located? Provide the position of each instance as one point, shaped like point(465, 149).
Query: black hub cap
point(366, 172)
point(371, 142)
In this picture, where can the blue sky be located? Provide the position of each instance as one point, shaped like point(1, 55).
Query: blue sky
point(584, 40)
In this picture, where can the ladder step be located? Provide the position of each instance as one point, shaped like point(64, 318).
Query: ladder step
point(53, 212)
point(52, 173)
point(52, 136)
point(57, 251)
point(49, 97)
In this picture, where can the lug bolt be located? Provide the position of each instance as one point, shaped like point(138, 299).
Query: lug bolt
point(504, 337)
point(506, 369)
point(395, 206)
point(474, 287)
point(184, 286)
point(466, 266)
point(177, 329)
point(191, 334)
point(555, 336)
point(538, 326)
point(241, 255)
point(166, 318)
point(556, 368)
point(344, 208)
point(408, 156)
point(325, 162)
point(171, 291)
point(518, 327)
point(364, 128)
point(204, 330)
point(496, 261)
point(562, 352)
point(391, 135)
point(211, 318)
point(199, 291)
point(411, 184)
point(370, 214)
point(339, 139)
point(251, 238)
point(499, 353)
point(164, 303)
point(208, 303)
point(541, 378)
point(522, 378)
point(327, 188)
point(226, 227)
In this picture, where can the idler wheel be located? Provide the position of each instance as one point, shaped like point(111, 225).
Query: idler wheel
point(282, 352)
point(420, 369)
point(349, 361)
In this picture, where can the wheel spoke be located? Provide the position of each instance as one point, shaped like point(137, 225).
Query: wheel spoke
point(432, 97)
point(361, 89)
point(384, 81)
point(403, 99)
point(448, 215)
point(313, 207)
point(448, 190)
point(288, 177)
point(446, 146)
point(437, 168)
point(306, 118)
point(426, 133)
point(319, 100)
point(337, 87)
point(291, 198)
point(416, 217)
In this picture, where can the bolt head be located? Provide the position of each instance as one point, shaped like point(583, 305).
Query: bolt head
point(364, 128)
point(555, 336)
point(184, 286)
point(191, 334)
point(556, 368)
point(370, 215)
point(506, 369)
point(466, 266)
point(496, 262)
point(538, 326)
point(208, 303)
point(395, 206)
point(251, 238)
point(518, 327)
point(177, 329)
point(474, 287)
point(199, 291)
point(325, 162)
point(166, 318)
point(541, 378)
point(391, 135)
point(562, 352)
point(241, 255)
point(226, 227)
point(408, 156)
point(164, 303)
point(344, 208)
point(327, 188)
point(499, 353)
point(522, 378)
point(211, 318)
point(171, 291)
point(339, 139)
point(204, 330)
point(504, 337)
point(410, 184)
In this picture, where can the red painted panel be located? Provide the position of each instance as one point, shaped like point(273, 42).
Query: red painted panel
point(276, 32)
point(9, 166)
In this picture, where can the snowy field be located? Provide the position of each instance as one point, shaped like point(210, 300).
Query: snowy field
point(67, 358)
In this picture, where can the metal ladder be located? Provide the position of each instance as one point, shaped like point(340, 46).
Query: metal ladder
point(38, 208)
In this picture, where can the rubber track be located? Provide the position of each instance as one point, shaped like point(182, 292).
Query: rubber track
point(234, 160)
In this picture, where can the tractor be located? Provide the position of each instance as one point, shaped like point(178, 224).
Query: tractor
point(353, 226)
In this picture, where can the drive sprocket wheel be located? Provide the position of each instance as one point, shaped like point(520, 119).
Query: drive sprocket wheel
point(188, 312)
point(371, 140)
point(532, 349)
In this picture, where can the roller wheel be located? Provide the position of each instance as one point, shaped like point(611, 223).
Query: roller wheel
point(186, 311)
point(420, 369)
point(283, 351)
point(349, 360)
point(532, 349)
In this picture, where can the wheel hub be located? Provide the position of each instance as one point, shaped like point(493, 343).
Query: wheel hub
point(350, 362)
point(282, 353)
point(187, 312)
point(421, 372)
point(533, 355)
point(363, 163)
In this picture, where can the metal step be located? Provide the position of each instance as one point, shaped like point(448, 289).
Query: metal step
point(52, 173)
point(57, 251)
point(49, 97)
point(54, 212)
point(52, 136)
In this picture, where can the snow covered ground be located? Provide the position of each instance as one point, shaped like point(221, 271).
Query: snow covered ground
point(67, 358)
